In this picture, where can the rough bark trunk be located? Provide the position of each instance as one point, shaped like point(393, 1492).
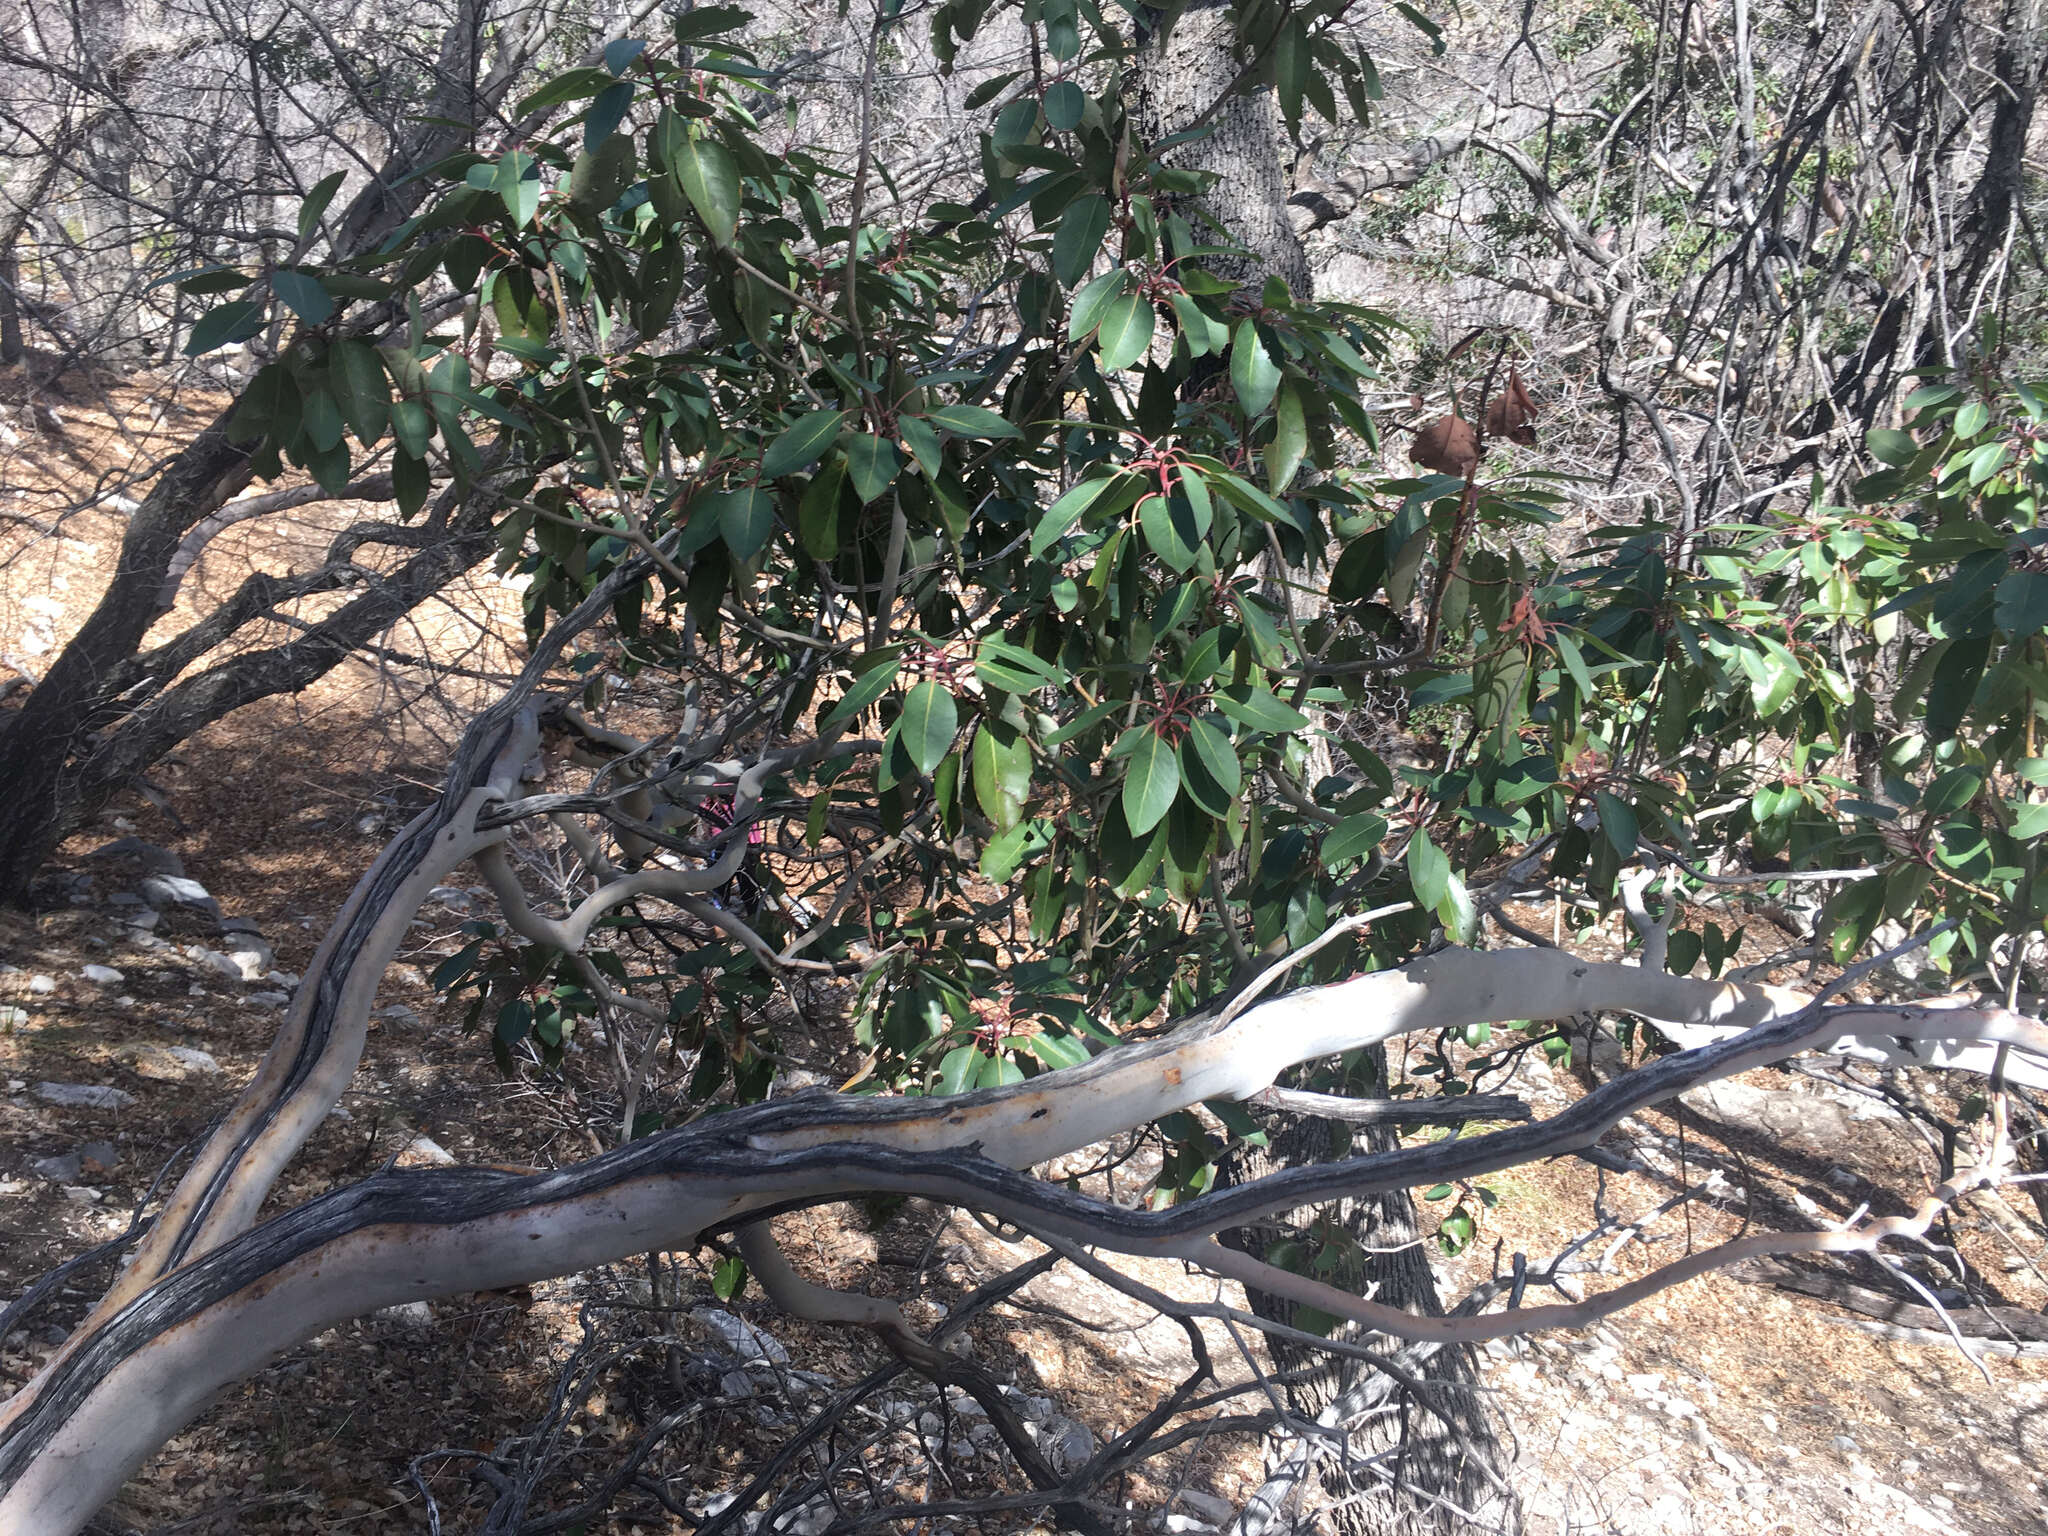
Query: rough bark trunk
point(37, 741)
point(1446, 1449)
point(1448, 1446)
point(10, 308)
point(44, 743)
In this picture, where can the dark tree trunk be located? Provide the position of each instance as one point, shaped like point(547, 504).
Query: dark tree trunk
point(38, 739)
point(1445, 1443)
point(48, 745)
point(1448, 1445)
point(10, 308)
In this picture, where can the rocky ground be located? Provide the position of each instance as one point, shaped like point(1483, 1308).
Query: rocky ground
point(134, 1008)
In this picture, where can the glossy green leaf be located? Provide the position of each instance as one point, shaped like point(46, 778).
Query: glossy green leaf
point(517, 183)
point(1209, 770)
point(1169, 529)
point(1077, 241)
point(867, 687)
point(361, 388)
point(1618, 821)
point(1290, 439)
point(322, 419)
point(1253, 374)
point(1065, 103)
point(228, 323)
point(959, 1068)
point(1355, 837)
point(1429, 871)
point(972, 421)
point(710, 179)
point(801, 443)
point(1125, 332)
point(1065, 512)
point(1093, 299)
point(1260, 710)
point(872, 463)
point(1013, 669)
point(1151, 781)
point(746, 517)
point(1002, 773)
point(316, 202)
point(928, 724)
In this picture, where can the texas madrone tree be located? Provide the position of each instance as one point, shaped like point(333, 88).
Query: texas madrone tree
point(1053, 707)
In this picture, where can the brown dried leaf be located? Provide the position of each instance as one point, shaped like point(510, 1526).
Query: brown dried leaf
point(1511, 412)
point(1447, 445)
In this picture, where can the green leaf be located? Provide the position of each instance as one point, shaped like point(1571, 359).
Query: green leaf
point(2022, 607)
point(867, 687)
point(1891, 447)
point(928, 724)
point(999, 860)
point(1575, 663)
point(237, 321)
point(411, 482)
point(322, 418)
point(600, 176)
point(1353, 838)
point(1084, 722)
point(1429, 871)
point(1065, 102)
point(361, 388)
point(1209, 769)
point(1253, 374)
point(708, 21)
point(1954, 686)
point(1618, 821)
point(1014, 669)
point(801, 443)
point(1151, 780)
point(1259, 710)
point(517, 183)
point(990, 89)
point(1079, 237)
point(1065, 512)
point(972, 421)
point(1952, 791)
point(1092, 300)
point(711, 181)
point(959, 1068)
point(1290, 440)
point(1125, 332)
point(729, 1278)
point(745, 519)
point(925, 445)
point(872, 462)
point(606, 113)
point(413, 426)
point(1001, 762)
point(316, 203)
point(817, 517)
point(1218, 757)
point(1169, 529)
point(1972, 419)
point(1291, 66)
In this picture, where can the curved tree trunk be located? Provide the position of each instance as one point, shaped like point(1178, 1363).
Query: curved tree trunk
point(37, 741)
point(48, 745)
